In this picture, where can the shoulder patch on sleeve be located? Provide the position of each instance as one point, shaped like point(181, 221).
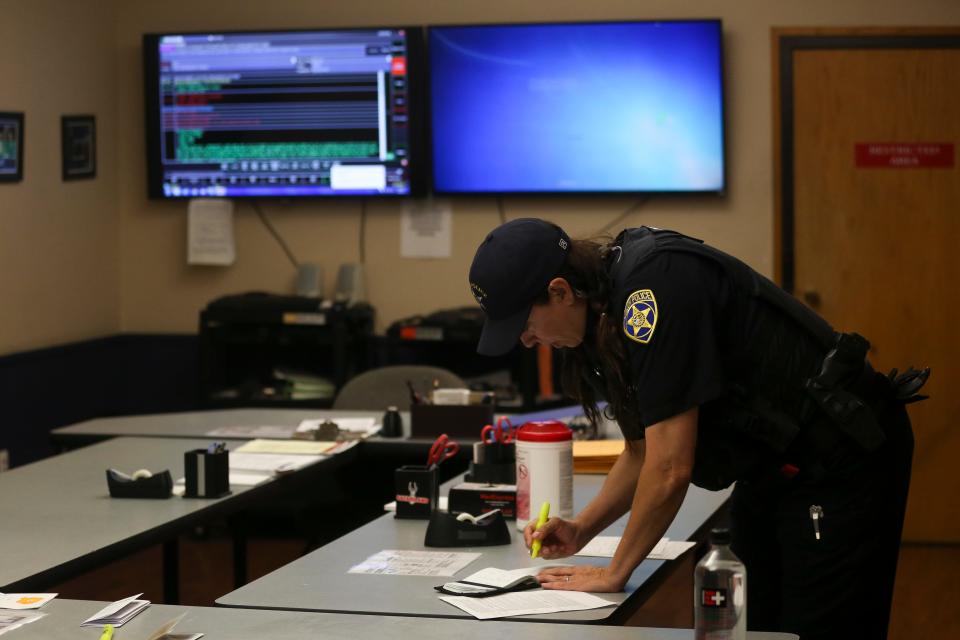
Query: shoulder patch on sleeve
point(640, 316)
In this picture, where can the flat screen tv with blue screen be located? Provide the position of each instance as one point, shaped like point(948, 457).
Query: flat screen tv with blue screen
point(616, 107)
point(330, 112)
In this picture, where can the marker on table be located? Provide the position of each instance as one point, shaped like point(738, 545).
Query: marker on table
point(542, 520)
point(107, 632)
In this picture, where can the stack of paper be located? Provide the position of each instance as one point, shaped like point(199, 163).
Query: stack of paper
point(595, 456)
point(523, 603)
point(117, 613)
point(605, 546)
point(252, 431)
point(254, 468)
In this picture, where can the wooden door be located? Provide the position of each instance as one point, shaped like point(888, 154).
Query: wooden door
point(868, 195)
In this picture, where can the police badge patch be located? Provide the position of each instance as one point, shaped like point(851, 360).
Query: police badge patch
point(640, 316)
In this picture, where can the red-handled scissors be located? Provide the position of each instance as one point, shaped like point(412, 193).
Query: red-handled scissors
point(443, 448)
point(503, 432)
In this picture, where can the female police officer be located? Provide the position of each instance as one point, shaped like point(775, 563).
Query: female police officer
point(714, 375)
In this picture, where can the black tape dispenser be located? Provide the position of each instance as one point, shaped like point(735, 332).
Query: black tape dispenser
point(142, 484)
point(464, 530)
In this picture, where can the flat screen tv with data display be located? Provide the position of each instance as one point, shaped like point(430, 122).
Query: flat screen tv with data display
point(615, 107)
point(284, 113)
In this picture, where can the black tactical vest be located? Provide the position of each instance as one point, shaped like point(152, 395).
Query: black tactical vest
point(767, 400)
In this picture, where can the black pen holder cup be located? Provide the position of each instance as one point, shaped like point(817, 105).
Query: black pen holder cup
point(392, 424)
point(207, 475)
point(417, 491)
point(445, 530)
point(498, 464)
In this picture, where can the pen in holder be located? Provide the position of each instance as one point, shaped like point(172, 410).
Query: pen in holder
point(207, 472)
point(417, 491)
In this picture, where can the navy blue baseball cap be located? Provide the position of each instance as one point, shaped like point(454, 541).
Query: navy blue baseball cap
point(512, 267)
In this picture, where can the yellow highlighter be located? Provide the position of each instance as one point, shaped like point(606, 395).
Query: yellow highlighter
point(107, 632)
point(542, 520)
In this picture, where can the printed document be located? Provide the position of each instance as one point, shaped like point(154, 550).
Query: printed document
point(10, 620)
point(262, 431)
point(309, 447)
point(269, 463)
point(25, 600)
point(525, 603)
point(415, 563)
point(605, 546)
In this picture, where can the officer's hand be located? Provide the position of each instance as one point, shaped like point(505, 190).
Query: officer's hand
point(560, 538)
point(581, 578)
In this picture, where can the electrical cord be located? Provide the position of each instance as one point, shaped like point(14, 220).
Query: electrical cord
point(273, 232)
point(501, 210)
point(620, 218)
point(363, 230)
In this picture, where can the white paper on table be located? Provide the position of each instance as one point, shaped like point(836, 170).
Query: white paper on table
point(280, 432)
point(10, 620)
point(295, 447)
point(426, 229)
point(365, 426)
point(248, 479)
point(25, 600)
point(269, 462)
point(415, 563)
point(672, 550)
point(210, 232)
point(524, 603)
point(606, 546)
point(493, 577)
point(128, 606)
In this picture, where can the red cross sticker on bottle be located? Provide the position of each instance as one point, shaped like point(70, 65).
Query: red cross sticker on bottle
point(713, 598)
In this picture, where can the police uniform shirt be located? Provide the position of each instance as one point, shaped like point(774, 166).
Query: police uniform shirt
point(693, 339)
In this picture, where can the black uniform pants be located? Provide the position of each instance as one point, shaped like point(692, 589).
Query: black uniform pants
point(841, 585)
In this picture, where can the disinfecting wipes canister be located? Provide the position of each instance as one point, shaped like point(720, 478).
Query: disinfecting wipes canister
point(544, 470)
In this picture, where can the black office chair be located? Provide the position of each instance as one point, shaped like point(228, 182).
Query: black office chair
point(377, 389)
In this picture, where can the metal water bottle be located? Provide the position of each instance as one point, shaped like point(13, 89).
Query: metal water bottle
point(720, 592)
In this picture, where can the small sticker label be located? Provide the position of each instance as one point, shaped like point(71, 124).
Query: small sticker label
point(713, 598)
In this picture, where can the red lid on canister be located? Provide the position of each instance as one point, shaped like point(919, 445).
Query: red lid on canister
point(546, 431)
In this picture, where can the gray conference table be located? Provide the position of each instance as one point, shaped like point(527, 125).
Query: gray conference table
point(319, 581)
point(197, 424)
point(59, 518)
point(63, 618)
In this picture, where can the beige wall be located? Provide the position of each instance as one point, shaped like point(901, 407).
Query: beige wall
point(160, 293)
point(59, 241)
point(85, 259)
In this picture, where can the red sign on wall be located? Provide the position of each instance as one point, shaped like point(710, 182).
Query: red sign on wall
point(904, 155)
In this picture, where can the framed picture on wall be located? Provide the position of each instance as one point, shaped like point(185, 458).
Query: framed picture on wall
point(11, 146)
point(79, 143)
